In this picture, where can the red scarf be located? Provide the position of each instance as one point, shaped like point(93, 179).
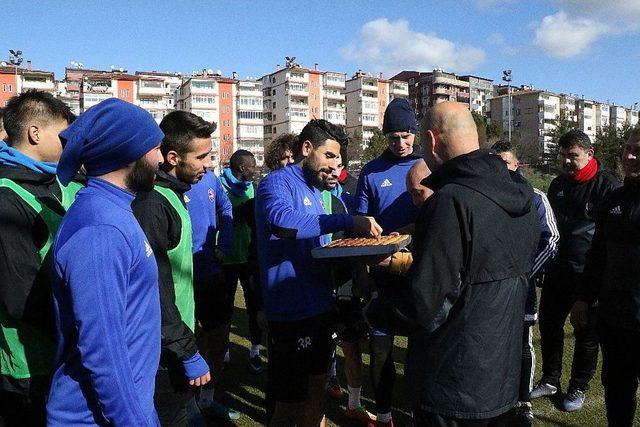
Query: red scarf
point(586, 173)
point(343, 175)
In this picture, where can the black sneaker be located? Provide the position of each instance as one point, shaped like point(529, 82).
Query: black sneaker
point(256, 365)
point(523, 414)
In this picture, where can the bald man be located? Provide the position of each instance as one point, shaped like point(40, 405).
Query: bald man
point(467, 288)
point(418, 192)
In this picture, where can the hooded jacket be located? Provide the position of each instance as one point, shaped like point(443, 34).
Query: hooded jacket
point(474, 247)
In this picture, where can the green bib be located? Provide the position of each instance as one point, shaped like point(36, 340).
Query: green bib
point(328, 206)
point(24, 351)
point(181, 260)
point(241, 230)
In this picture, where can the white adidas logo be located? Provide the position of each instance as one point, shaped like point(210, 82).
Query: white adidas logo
point(386, 183)
point(147, 248)
point(616, 211)
point(307, 202)
point(186, 199)
point(561, 193)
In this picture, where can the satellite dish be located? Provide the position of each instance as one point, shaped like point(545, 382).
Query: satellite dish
point(121, 70)
point(209, 71)
point(218, 72)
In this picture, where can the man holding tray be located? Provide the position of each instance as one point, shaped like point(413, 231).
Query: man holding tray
point(382, 194)
point(298, 300)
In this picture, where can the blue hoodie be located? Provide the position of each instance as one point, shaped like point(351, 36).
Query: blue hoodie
point(290, 221)
point(212, 222)
point(382, 191)
point(107, 305)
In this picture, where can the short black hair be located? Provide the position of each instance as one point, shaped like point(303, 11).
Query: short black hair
point(180, 128)
point(503, 146)
point(318, 131)
point(575, 138)
point(33, 105)
point(277, 147)
point(238, 158)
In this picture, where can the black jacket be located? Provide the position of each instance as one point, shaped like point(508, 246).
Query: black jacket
point(162, 226)
point(25, 289)
point(575, 205)
point(612, 273)
point(474, 246)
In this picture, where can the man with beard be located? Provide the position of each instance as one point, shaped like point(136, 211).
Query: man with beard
point(298, 299)
point(381, 193)
point(105, 279)
point(463, 303)
point(612, 277)
point(575, 196)
point(164, 218)
point(33, 203)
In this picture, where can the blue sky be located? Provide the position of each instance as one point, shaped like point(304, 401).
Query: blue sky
point(585, 47)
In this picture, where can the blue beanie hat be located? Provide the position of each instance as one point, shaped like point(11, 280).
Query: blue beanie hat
point(107, 137)
point(399, 117)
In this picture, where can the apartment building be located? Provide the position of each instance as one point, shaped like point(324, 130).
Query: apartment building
point(155, 92)
point(367, 98)
point(617, 116)
point(632, 116)
point(534, 113)
point(603, 118)
point(17, 80)
point(586, 115)
point(212, 97)
point(250, 118)
point(427, 89)
point(293, 95)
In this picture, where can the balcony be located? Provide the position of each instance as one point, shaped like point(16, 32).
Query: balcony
point(298, 77)
point(152, 90)
point(370, 86)
point(449, 80)
point(335, 107)
point(442, 91)
point(44, 85)
point(330, 94)
point(400, 90)
point(297, 90)
point(335, 83)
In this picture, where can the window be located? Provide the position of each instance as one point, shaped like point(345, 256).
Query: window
point(200, 84)
point(124, 93)
point(273, 92)
point(250, 129)
point(225, 95)
point(249, 101)
point(7, 87)
point(274, 104)
point(274, 118)
point(250, 115)
point(200, 99)
point(227, 137)
point(227, 109)
point(152, 83)
point(274, 130)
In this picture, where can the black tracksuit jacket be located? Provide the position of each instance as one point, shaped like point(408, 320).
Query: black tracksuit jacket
point(575, 206)
point(612, 273)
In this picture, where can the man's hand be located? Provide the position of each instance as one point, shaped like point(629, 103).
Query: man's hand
point(199, 382)
point(579, 315)
point(366, 226)
point(218, 254)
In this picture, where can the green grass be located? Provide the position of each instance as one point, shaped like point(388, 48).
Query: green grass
point(244, 391)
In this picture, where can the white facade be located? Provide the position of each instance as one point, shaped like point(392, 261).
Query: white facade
point(250, 118)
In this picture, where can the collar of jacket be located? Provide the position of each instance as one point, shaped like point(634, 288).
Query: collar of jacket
point(164, 179)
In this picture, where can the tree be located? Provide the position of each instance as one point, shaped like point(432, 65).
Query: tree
point(489, 132)
point(354, 151)
point(377, 144)
point(561, 126)
point(609, 144)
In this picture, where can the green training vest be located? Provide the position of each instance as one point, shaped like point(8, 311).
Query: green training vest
point(24, 351)
point(328, 206)
point(181, 260)
point(241, 230)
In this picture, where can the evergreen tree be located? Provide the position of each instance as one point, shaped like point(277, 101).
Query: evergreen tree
point(377, 144)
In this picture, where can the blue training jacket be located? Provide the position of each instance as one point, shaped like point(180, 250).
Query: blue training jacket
point(211, 216)
point(382, 191)
point(107, 305)
point(290, 221)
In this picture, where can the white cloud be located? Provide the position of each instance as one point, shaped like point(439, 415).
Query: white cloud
point(580, 23)
point(563, 37)
point(495, 38)
point(391, 46)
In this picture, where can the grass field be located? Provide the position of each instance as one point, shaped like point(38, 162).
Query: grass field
point(244, 392)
